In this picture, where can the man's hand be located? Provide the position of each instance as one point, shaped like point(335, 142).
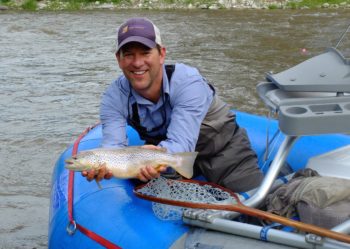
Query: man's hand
point(98, 174)
point(153, 147)
point(148, 173)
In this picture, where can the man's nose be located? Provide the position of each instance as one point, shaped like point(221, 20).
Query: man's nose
point(138, 60)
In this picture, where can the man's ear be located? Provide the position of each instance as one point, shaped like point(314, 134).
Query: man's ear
point(117, 56)
point(162, 54)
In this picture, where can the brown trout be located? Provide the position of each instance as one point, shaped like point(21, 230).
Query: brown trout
point(126, 162)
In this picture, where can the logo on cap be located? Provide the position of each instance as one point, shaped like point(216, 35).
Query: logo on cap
point(125, 29)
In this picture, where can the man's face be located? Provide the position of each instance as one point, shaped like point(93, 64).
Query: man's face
point(141, 65)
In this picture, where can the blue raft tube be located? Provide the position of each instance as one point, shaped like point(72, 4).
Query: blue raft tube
point(115, 218)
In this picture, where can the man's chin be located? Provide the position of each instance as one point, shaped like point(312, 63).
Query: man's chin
point(139, 86)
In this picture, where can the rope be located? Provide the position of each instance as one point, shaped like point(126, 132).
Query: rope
point(72, 224)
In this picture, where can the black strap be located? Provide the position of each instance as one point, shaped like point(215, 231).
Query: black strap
point(169, 71)
point(135, 113)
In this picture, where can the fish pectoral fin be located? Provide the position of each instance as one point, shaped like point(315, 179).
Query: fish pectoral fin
point(98, 184)
point(101, 173)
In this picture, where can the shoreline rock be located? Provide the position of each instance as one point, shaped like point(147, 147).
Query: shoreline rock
point(3, 7)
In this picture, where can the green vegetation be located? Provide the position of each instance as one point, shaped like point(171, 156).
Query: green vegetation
point(317, 3)
point(32, 5)
point(273, 6)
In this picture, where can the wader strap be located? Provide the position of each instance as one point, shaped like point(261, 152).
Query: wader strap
point(169, 71)
point(135, 113)
point(72, 224)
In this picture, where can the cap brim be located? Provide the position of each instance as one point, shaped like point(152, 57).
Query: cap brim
point(147, 42)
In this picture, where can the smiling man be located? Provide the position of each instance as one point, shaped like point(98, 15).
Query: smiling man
point(173, 108)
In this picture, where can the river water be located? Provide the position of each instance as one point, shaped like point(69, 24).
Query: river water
point(54, 67)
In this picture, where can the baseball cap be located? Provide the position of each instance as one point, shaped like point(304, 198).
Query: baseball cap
point(140, 30)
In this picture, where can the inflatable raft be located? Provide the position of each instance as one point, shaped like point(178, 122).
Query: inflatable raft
point(118, 216)
point(313, 113)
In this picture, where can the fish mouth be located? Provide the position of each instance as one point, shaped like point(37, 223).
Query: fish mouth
point(75, 165)
point(70, 164)
point(71, 160)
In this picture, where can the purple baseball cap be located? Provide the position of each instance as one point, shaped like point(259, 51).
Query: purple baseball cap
point(139, 30)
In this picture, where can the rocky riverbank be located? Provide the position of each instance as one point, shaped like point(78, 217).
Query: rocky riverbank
point(167, 4)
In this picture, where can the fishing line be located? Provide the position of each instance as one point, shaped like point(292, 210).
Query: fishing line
point(342, 36)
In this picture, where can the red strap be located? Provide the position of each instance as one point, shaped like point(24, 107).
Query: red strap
point(102, 241)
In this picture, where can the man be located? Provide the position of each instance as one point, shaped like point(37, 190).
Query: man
point(173, 108)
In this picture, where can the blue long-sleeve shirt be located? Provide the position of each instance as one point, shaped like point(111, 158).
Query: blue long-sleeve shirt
point(183, 105)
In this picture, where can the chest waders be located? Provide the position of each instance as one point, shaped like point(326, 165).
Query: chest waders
point(225, 154)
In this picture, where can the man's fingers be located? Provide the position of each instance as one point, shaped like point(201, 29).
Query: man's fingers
point(152, 172)
point(104, 173)
point(101, 173)
point(162, 168)
point(142, 175)
point(108, 175)
point(90, 175)
point(149, 146)
point(97, 174)
point(145, 174)
point(153, 147)
point(142, 178)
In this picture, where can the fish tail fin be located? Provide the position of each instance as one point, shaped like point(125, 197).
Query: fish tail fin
point(186, 162)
